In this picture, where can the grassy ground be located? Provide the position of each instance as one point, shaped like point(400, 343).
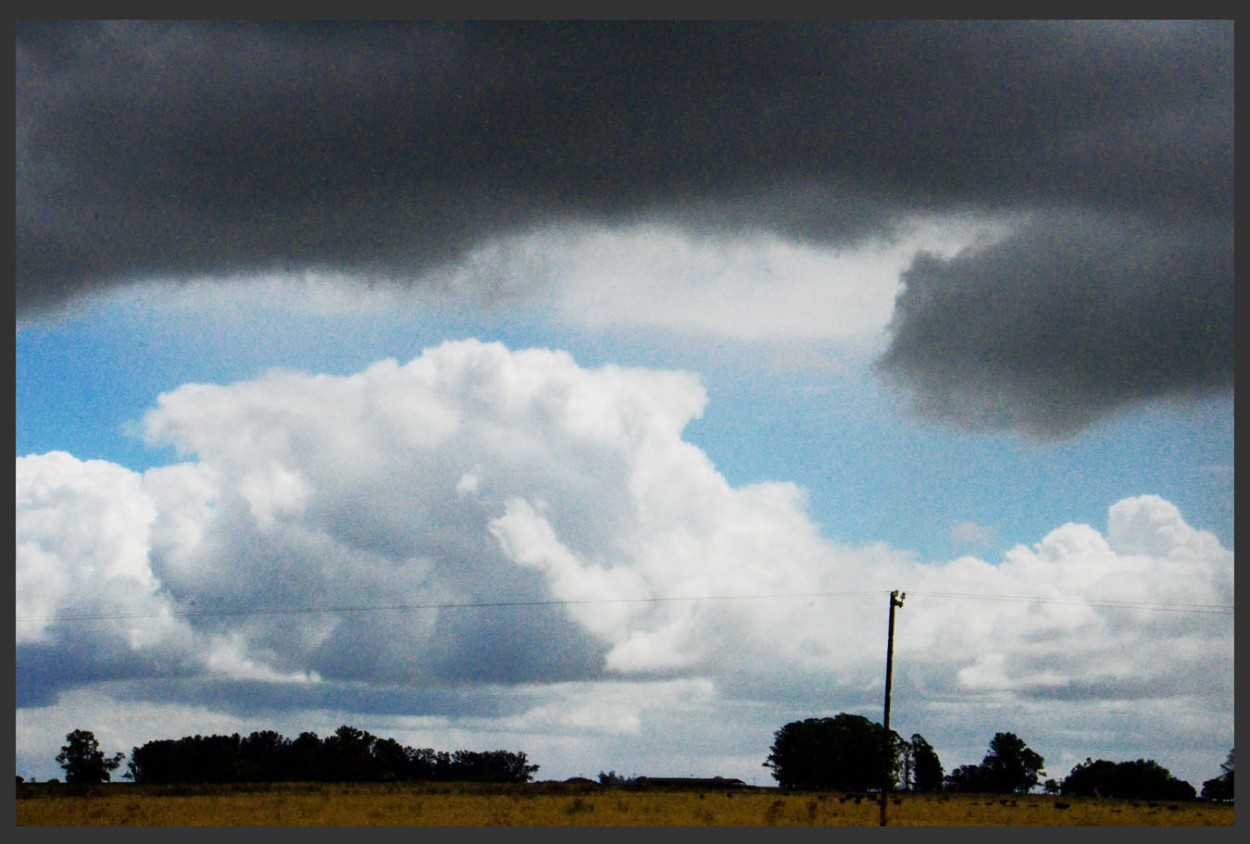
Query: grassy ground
point(543, 804)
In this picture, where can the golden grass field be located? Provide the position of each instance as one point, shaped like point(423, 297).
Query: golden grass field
point(553, 804)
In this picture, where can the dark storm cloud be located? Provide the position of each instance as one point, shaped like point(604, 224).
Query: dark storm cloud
point(44, 670)
point(213, 148)
point(469, 646)
point(1064, 322)
point(247, 699)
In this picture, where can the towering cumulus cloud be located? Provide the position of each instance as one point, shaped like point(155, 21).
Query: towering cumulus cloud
point(482, 519)
point(173, 150)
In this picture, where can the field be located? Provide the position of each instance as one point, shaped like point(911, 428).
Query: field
point(555, 804)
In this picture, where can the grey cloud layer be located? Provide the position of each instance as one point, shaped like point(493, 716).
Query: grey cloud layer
point(1066, 321)
point(212, 148)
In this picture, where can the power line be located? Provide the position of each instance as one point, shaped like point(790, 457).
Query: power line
point(1211, 609)
point(1215, 609)
point(442, 606)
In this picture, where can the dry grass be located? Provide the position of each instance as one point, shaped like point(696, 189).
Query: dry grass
point(549, 804)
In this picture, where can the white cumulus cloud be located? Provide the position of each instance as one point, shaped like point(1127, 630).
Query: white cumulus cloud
point(483, 520)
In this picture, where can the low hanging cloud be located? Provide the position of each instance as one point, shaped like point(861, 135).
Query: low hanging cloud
point(1065, 321)
point(392, 151)
point(503, 536)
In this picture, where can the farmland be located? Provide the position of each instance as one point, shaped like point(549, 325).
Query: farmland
point(560, 804)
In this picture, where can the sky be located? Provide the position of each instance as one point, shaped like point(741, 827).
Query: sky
point(583, 389)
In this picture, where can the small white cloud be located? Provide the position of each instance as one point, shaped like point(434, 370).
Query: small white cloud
point(1152, 526)
point(971, 533)
point(227, 657)
point(468, 484)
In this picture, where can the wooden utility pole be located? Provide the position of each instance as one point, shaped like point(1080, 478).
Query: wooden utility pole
point(896, 600)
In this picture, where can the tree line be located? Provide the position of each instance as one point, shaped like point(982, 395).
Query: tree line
point(349, 755)
point(851, 753)
point(844, 753)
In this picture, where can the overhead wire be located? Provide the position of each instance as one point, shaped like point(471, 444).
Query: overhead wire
point(1218, 609)
point(1215, 609)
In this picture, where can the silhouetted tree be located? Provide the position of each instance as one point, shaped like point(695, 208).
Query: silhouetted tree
point(349, 755)
point(155, 762)
point(305, 761)
point(966, 779)
point(926, 767)
point(490, 766)
point(1144, 779)
point(263, 757)
point(843, 753)
point(1221, 787)
point(84, 762)
point(613, 778)
point(390, 760)
point(906, 764)
point(213, 758)
point(1009, 767)
point(427, 764)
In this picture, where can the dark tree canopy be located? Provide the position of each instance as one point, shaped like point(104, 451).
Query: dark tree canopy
point(926, 767)
point(967, 779)
point(84, 762)
point(1009, 767)
point(1221, 787)
point(1144, 779)
point(843, 753)
point(349, 755)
